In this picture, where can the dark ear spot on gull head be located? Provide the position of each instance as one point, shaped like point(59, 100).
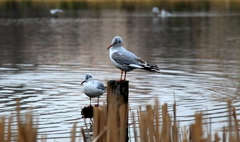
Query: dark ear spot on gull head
point(117, 40)
point(87, 78)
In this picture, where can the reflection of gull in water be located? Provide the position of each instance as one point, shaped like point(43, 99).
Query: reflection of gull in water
point(56, 12)
point(165, 13)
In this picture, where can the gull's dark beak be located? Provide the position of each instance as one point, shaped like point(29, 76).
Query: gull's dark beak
point(109, 47)
point(83, 82)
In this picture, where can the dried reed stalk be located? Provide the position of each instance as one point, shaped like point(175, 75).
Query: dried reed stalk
point(73, 133)
point(26, 131)
point(99, 128)
point(97, 115)
point(114, 128)
point(83, 134)
point(174, 127)
point(123, 112)
point(9, 132)
point(198, 130)
point(231, 137)
point(216, 137)
point(112, 124)
point(43, 138)
point(2, 129)
point(150, 123)
point(142, 126)
point(134, 128)
point(166, 125)
point(185, 137)
point(236, 124)
point(224, 135)
point(156, 114)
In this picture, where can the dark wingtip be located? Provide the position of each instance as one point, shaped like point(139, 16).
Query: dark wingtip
point(152, 68)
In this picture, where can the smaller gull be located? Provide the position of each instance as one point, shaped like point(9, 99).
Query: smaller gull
point(125, 60)
point(92, 88)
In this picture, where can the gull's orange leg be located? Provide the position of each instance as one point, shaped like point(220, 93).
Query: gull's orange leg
point(121, 75)
point(98, 102)
point(125, 76)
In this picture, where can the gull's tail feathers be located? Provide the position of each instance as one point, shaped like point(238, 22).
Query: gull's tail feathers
point(152, 68)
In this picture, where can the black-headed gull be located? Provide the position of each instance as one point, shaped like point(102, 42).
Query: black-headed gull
point(56, 12)
point(164, 13)
point(92, 88)
point(125, 60)
point(155, 10)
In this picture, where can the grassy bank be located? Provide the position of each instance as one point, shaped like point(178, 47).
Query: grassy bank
point(171, 5)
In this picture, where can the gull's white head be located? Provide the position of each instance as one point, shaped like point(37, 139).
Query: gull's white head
point(116, 41)
point(56, 11)
point(87, 77)
point(155, 10)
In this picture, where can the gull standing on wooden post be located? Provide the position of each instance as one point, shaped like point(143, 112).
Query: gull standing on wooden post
point(92, 88)
point(125, 60)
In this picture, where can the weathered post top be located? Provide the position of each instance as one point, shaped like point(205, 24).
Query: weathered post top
point(118, 90)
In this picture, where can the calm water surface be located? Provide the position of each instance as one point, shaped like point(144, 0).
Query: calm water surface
point(43, 61)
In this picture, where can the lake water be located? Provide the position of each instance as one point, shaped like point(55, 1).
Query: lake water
point(43, 61)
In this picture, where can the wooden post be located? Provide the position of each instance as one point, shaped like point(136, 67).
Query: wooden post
point(117, 95)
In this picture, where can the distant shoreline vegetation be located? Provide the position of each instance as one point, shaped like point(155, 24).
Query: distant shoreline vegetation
point(171, 5)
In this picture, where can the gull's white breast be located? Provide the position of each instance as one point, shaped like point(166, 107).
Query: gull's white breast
point(91, 89)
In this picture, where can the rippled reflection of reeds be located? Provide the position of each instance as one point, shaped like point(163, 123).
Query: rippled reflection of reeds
point(149, 124)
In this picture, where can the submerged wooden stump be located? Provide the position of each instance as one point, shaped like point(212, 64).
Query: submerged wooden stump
point(87, 112)
point(117, 96)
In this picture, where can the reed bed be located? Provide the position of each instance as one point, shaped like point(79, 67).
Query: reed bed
point(155, 124)
point(26, 128)
point(148, 124)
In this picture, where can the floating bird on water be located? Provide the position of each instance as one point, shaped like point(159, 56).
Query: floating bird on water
point(125, 60)
point(56, 12)
point(165, 13)
point(92, 88)
point(155, 10)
